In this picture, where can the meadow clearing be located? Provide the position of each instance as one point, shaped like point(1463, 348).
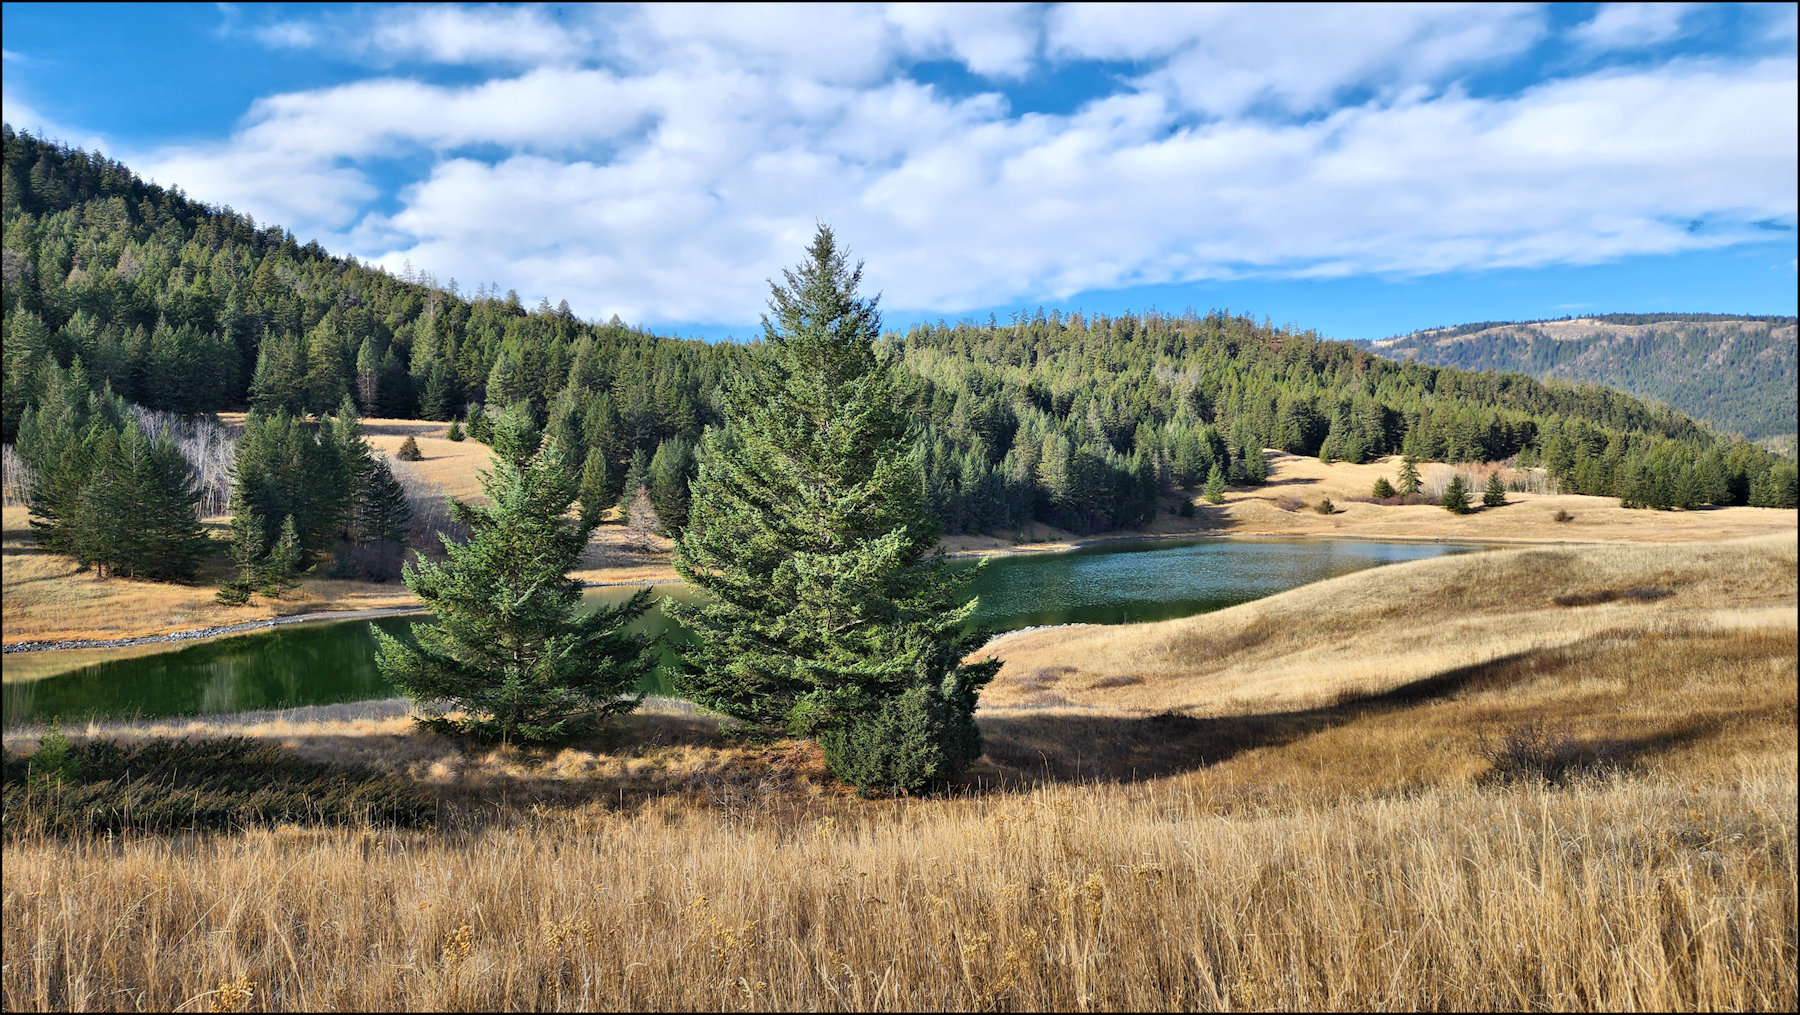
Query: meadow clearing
point(1534, 778)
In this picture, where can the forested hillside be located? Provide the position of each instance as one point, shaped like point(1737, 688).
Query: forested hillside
point(1084, 422)
point(1738, 373)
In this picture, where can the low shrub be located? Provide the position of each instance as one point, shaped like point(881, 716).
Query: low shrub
point(164, 785)
point(1325, 506)
point(409, 450)
point(916, 742)
point(1562, 516)
point(1594, 598)
point(1537, 751)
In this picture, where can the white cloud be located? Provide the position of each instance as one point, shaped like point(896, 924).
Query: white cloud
point(24, 115)
point(472, 35)
point(1630, 25)
point(289, 35)
point(991, 39)
point(669, 168)
point(1222, 59)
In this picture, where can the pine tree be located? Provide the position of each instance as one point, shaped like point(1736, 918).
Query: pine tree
point(1495, 494)
point(353, 460)
point(368, 375)
point(1214, 491)
point(825, 612)
point(1383, 489)
point(455, 433)
point(382, 517)
point(434, 402)
point(503, 386)
point(637, 478)
point(27, 347)
point(281, 569)
point(1410, 480)
point(164, 506)
point(668, 483)
point(592, 493)
point(480, 427)
point(1256, 466)
point(102, 533)
point(246, 557)
point(1456, 496)
point(409, 450)
point(513, 646)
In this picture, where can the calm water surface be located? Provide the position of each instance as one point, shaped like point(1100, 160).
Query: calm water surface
point(332, 662)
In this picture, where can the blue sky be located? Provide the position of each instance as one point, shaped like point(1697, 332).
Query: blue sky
point(1360, 170)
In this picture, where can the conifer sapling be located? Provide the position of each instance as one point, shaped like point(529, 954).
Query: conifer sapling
point(1456, 496)
point(1410, 480)
point(1214, 491)
point(1495, 494)
point(514, 649)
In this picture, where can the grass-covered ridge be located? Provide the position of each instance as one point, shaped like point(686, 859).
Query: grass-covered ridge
point(1738, 372)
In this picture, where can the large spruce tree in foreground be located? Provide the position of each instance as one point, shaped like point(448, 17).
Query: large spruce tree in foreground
point(514, 655)
point(826, 614)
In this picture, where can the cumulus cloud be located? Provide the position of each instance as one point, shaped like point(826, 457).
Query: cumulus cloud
point(1629, 25)
point(1222, 59)
point(660, 163)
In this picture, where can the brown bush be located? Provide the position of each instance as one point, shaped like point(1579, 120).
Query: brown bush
point(1639, 594)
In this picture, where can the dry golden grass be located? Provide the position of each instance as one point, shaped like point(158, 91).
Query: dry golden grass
point(47, 599)
point(1301, 482)
point(1646, 894)
point(1374, 630)
point(1321, 849)
point(451, 466)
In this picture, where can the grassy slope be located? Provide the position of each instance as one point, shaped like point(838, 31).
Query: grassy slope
point(1278, 823)
point(45, 599)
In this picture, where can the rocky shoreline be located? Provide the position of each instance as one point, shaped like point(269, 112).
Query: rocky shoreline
point(209, 632)
point(255, 625)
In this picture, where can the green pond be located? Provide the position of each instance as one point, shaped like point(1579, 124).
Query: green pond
point(333, 662)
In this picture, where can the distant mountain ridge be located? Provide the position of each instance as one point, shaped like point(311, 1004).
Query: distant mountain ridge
point(1738, 373)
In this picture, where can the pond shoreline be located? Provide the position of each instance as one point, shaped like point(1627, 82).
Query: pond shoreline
point(203, 633)
point(200, 633)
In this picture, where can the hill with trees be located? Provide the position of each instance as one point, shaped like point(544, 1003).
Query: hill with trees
point(1738, 373)
point(1086, 422)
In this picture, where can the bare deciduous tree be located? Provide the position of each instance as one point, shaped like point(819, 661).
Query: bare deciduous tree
point(17, 477)
point(208, 445)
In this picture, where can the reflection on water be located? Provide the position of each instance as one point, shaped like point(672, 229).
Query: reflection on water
point(331, 662)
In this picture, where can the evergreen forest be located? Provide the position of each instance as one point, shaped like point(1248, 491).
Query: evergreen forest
point(1082, 421)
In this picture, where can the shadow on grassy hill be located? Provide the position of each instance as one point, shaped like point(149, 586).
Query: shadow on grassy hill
point(1619, 701)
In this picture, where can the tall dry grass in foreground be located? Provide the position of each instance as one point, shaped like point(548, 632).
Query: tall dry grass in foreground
point(1349, 845)
point(1645, 894)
